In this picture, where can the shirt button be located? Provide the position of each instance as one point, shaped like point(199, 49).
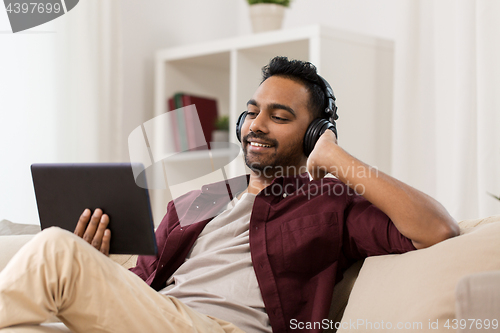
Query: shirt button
point(284, 195)
point(161, 266)
point(197, 207)
point(214, 202)
point(256, 228)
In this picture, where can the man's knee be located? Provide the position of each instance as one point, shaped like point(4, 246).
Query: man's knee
point(54, 235)
point(54, 232)
point(45, 245)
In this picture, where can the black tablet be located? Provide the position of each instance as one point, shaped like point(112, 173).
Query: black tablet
point(63, 191)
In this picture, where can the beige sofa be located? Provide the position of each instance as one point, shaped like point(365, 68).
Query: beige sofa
point(453, 286)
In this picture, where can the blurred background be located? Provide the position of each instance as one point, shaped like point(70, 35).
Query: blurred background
point(73, 89)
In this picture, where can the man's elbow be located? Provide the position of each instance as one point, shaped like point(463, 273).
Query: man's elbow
point(446, 228)
point(454, 229)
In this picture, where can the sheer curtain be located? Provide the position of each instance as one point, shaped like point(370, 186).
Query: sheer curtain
point(90, 83)
point(446, 134)
point(60, 98)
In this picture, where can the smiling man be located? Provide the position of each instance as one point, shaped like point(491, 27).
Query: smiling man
point(267, 261)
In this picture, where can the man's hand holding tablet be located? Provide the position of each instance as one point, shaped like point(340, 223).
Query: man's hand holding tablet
point(94, 232)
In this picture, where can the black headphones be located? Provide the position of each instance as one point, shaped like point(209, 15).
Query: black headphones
point(317, 127)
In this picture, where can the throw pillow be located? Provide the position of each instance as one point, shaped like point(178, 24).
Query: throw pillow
point(415, 291)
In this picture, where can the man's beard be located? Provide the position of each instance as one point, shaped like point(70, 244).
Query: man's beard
point(272, 164)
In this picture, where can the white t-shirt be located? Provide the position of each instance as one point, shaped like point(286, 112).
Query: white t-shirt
point(217, 277)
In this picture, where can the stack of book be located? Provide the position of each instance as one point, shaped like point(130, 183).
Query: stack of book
point(193, 121)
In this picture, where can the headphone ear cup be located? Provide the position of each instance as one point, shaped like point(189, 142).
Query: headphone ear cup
point(239, 124)
point(317, 127)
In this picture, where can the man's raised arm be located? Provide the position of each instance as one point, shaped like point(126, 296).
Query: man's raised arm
point(416, 215)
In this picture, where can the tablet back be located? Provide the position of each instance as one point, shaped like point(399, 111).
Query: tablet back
point(63, 191)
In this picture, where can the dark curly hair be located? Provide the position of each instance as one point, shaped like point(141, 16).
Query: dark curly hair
point(304, 73)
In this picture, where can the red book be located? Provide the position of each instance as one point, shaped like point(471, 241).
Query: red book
point(173, 118)
point(207, 114)
point(194, 132)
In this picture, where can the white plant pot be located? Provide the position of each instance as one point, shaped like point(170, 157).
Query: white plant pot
point(220, 139)
point(220, 136)
point(266, 16)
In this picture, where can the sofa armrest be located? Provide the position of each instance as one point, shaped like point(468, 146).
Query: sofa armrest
point(477, 297)
point(9, 245)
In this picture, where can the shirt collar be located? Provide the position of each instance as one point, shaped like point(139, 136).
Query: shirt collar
point(239, 184)
point(286, 184)
point(232, 186)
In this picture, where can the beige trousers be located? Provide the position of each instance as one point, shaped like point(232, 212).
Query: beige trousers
point(57, 273)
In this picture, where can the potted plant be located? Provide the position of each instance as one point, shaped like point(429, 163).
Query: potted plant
point(267, 15)
point(221, 132)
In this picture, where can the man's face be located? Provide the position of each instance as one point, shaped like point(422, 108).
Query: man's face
point(275, 125)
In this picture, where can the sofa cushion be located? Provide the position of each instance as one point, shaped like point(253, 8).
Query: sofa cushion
point(9, 245)
point(10, 228)
point(341, 293)
point(478, 297)
point(415, 291)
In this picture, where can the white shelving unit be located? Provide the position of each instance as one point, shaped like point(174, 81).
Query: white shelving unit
point(359, 69)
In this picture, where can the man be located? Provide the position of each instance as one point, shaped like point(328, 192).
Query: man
point(271, 256)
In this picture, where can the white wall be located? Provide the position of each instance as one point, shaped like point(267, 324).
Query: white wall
point(160, 24)
point(377, 18)
point(27, 115)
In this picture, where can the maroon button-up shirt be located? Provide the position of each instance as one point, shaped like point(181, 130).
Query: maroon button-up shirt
point(303, 235)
